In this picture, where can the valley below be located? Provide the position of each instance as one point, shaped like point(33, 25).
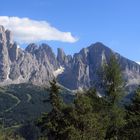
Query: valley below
point(25, 102)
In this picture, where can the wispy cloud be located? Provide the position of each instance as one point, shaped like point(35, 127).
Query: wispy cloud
point(26, 30)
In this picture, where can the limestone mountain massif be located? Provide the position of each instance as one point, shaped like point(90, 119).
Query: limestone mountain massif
point(37, 64)
point(85, 67)
point(34, 64)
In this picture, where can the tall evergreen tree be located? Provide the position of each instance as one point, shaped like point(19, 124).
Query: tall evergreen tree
point(50, 123)
point(55, 98)
point(84, 123)
point(113, 82)
point(113, 90)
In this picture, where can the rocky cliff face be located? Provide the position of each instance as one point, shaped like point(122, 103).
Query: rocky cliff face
point(39, 65)
point(35, 64)
point(83, 72)
point(4, 59)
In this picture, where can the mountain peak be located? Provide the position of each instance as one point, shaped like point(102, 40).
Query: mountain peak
point(31, 48)
point(99, 46)
point(62, 58)
point(9, 37)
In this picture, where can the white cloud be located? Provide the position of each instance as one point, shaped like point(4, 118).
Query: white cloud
point(26, 30)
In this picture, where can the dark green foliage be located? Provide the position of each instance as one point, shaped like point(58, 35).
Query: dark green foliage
point(50, 123)
point(99, 105)
point(88, 122)
point(113, 80)
point(25, 102)
point(116, 122)
point(18, 108)
point(113, 91)
point(54, 98)
point(74, 122)
point(131, 130)
point(28, 131)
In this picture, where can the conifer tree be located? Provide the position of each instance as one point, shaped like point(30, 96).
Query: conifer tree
point(132, 128)
point(50, 123)
point(54, 98)
point(90, 123)
point(113, 91)
point(84, 123)
point(113, 83)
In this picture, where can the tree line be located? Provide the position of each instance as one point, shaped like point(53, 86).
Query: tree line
point(91, 117)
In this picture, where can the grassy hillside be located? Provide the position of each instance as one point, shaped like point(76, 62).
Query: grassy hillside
point(25, 102)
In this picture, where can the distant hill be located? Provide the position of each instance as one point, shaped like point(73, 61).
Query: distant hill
point(25, 102)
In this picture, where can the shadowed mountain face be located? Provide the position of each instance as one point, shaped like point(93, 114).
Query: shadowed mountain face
point(38, 64)
point(84, 69)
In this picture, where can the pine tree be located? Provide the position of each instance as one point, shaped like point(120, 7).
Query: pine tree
point(132, 129)
point(55, 98)
point(50, 123)
point(113, 90)
point(87, 123)
point(113, 82)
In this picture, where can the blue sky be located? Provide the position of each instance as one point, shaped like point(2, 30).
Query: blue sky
point(116, 23)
